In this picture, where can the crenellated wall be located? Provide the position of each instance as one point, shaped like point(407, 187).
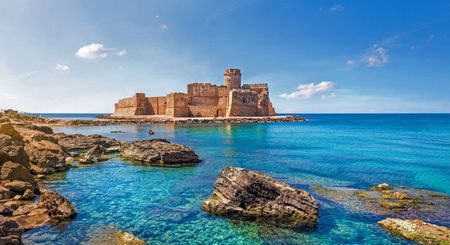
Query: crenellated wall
point(204, 100)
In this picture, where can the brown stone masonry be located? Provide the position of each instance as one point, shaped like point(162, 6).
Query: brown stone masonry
point(204, 100)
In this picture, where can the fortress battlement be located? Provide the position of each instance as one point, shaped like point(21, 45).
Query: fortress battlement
point(204, 99)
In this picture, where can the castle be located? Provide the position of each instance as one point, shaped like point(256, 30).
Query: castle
point(204, 100)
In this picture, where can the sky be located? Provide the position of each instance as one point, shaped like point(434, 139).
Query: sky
point(317, 56)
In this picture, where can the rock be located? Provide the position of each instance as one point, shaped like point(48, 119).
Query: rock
point(94, 154)
point(112, 149)
point(382, 187)
point(125, 238)
point(151, 132)
point(401, 202)
point(241, 193)
point(8, 129)
point(5, 211)
point(117, 131)
point(18, 186)
point(14, 171)
point(25, 209)
point(11, 232)
point(77, 142)
point(48, 157)
point(159, 152)
point(417, 230)
point(28, 195)
point(29, 222)
point(5, 193)
point(11, 151)
point(58, 207)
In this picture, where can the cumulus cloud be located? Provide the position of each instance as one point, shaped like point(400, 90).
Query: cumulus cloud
point(336, 8)
point(305, 91)
point(97, 50)
point(61, 67)
point(377, 56)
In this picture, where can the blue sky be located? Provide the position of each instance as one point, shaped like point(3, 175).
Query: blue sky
point(316, 56)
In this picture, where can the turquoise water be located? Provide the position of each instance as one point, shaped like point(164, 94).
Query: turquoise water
point(163, 205)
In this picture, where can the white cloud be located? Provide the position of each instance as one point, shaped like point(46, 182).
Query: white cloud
point(377, 56)
point(156, 16)
point(121, 53)
point(92, 51)
point(305, 91)
point(337, 8)
point(164, 26)
point(97, 50)
point(61, 67)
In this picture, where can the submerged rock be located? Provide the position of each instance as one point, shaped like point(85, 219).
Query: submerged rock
point(403, 202)
point(125, 238)
point(159, 152)
point(417, 230)
point(241, 193)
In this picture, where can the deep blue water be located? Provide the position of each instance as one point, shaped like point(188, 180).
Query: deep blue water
point(163, 205)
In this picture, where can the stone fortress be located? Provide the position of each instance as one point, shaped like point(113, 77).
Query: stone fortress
point(204, 100)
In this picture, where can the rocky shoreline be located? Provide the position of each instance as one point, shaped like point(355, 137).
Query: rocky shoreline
point(29, 153)
point(105, 121)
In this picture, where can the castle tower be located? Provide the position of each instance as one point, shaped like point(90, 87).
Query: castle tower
point(232, 78)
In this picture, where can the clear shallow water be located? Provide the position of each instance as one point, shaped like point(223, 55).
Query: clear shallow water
point(163, 205)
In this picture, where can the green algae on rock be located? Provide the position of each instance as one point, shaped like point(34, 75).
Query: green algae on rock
point(241, 193)
point(402, 202)
point(417, 230)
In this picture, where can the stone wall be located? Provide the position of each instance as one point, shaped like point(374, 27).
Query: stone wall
point(133, 106)
point(242, 102)
point(203, 94)
point(157, 105)
point(177, 105)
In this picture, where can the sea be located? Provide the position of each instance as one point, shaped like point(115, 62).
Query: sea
point(163, 205)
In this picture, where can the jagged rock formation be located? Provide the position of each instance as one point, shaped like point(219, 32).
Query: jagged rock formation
point(417, 230)
point(241, 193)
point(159, 152)
point(204, 100)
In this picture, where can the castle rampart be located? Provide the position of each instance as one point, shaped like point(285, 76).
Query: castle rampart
point(204, 100)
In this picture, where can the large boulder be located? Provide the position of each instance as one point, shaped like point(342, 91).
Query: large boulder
point(159, 152)
point(241, 193)
point(11, 232)
point(11, 151)
point(417, 230)
point(11, 171)
point(76, 142)
point(58, 207)
point(47, 157)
